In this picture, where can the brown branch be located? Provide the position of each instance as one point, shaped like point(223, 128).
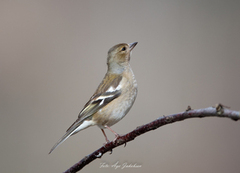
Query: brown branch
point(217, 111)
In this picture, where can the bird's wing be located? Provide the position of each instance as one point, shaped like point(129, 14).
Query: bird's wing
point(103, 95)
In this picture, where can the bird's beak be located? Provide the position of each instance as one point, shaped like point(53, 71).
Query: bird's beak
point(132, 45)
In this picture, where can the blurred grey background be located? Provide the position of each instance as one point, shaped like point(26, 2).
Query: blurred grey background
point(53, 56)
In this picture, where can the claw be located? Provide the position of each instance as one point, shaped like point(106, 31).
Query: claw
point(111, 151)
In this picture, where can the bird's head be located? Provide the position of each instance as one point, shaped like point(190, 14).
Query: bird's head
point(119, 55)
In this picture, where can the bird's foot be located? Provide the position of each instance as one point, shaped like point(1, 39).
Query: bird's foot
point(107, 141)
point(115, 139)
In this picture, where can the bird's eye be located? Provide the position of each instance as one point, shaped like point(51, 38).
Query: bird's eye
point(123, 49)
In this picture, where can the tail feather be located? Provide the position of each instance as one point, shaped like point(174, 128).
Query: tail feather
point(78, 126)
point(62, 139)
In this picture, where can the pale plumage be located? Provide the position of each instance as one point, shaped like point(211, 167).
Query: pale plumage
point(113, 98)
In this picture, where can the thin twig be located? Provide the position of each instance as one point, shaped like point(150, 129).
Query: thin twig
point(218, 111)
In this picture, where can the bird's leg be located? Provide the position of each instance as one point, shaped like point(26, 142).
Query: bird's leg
point(106, 140)
point(116, 135)
point(105, 136)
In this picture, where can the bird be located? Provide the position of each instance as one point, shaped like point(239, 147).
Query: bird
point(113, 98)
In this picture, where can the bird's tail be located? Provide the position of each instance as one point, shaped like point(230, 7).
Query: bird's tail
point(62, 139)
point(76, 127)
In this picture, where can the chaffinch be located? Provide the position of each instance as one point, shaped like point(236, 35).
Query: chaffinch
point(113, 98)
